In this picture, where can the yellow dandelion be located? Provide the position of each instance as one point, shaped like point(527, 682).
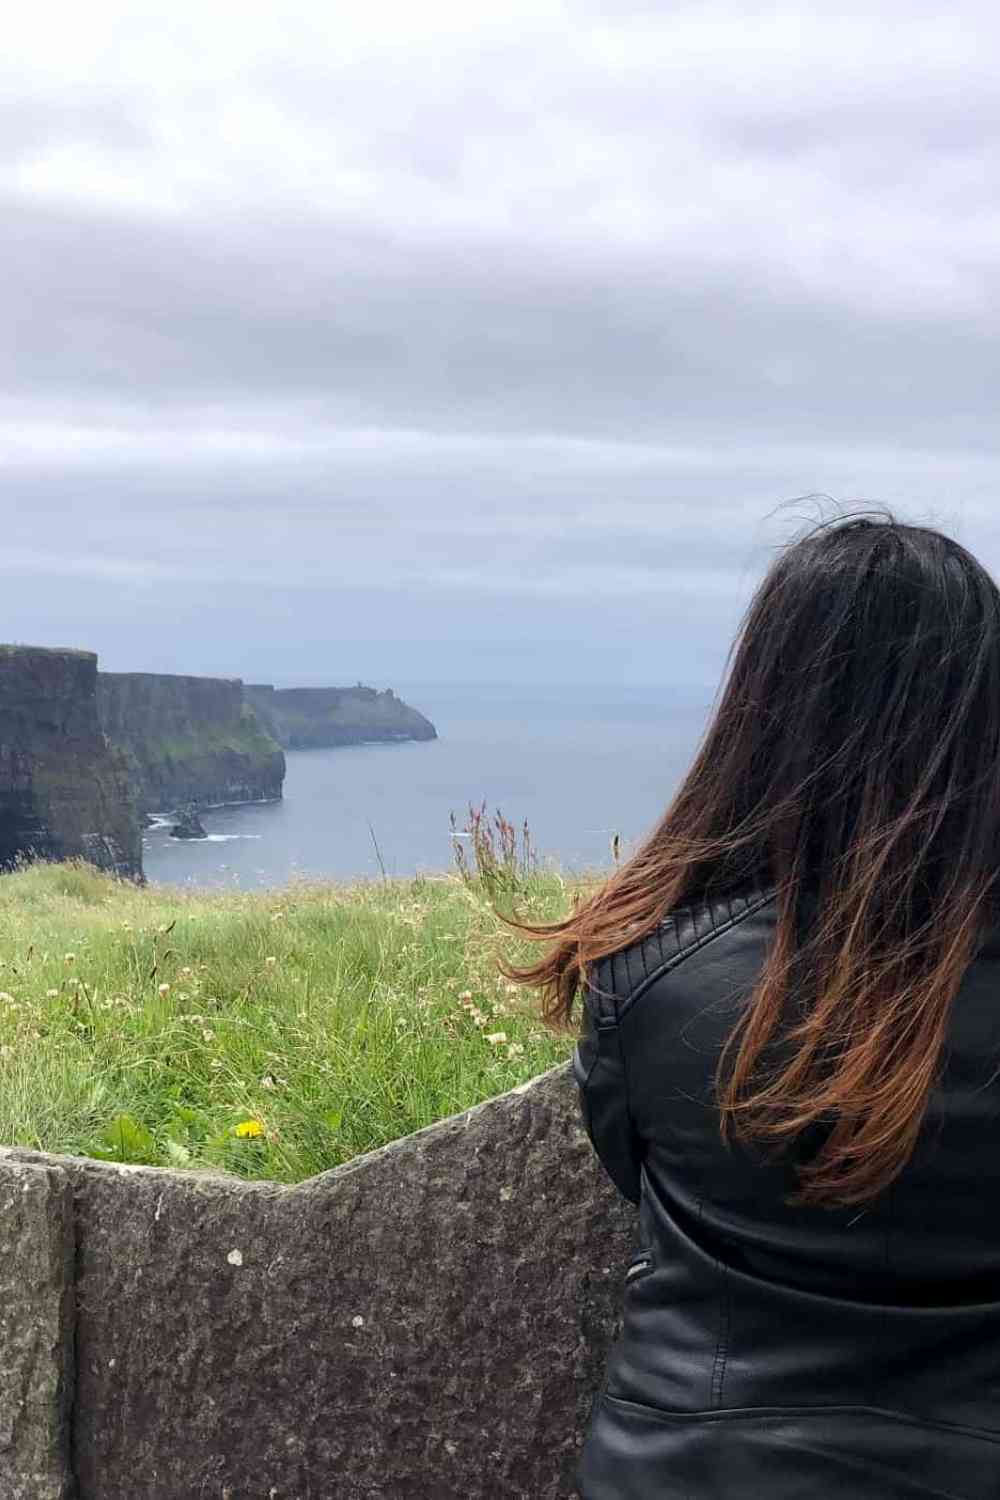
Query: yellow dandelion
point(250, 1128)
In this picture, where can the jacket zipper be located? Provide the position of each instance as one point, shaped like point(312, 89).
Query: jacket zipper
point(638, 1266)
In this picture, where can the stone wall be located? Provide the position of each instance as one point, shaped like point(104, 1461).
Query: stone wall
point(189, 739)
point(312, 718)
point(428, 1322)
point(64, 792)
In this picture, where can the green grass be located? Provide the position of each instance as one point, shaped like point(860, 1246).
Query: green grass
point(325, 1019)
point(246, 738)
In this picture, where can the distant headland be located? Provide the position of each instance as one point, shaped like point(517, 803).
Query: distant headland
point(307, 718)
point(87, 756)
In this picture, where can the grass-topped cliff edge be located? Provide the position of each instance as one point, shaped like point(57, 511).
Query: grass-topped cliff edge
point(271, 1034)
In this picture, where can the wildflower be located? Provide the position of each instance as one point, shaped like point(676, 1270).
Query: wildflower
point(186, 970)
point(163, 989)
point(267, 1082)
point(69, 958)
point(516, 1049)
point(271, 961)
point(465, 995)
point(207, 1035)
point(497, 1037)
point(250, 1128)
point(49, 995)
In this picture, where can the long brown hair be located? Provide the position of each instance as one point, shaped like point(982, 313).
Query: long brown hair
point(854, 754)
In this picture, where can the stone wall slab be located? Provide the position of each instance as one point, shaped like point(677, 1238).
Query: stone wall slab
point(36, 1331)
point(428, 1322)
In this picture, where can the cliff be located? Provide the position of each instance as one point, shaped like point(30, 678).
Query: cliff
point(64, 791)
point(310, 718)
point(189, 739)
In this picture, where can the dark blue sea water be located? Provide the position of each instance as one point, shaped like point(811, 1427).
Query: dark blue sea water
point(578, 763)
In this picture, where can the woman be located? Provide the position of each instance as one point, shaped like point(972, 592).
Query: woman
point(790, 1051)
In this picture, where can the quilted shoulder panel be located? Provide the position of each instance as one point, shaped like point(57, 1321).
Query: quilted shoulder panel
point(619, 979)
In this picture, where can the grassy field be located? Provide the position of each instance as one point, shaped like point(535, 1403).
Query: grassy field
point(271, 1034)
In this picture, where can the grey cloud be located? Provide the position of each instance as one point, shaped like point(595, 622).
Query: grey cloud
point(368, 329)
point(488, 352)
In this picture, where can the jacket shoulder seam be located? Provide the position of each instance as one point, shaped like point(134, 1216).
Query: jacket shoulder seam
point(688, 949)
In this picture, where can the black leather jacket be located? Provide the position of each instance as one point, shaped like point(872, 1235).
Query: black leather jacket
point(772, 1351)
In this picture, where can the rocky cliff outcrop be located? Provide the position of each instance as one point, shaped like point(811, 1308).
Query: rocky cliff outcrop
point(189, 740)
point(64, 791)
point(310, 718)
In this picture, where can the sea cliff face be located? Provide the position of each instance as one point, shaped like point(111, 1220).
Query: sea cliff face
point(311, 718)
point(189, 739)
point(64, 791)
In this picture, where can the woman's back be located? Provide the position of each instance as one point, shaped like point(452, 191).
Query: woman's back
point(803, 1350)
point(790, 1047)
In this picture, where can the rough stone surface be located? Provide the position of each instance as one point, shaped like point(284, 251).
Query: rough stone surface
point(36, 1331)
point(429, 1322)
point(64, 791)
point(189, 740)
point(311, 718)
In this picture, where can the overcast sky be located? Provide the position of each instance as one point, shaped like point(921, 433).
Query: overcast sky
point(433, 341)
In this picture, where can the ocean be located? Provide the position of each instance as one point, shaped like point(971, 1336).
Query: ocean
point(579, 764)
